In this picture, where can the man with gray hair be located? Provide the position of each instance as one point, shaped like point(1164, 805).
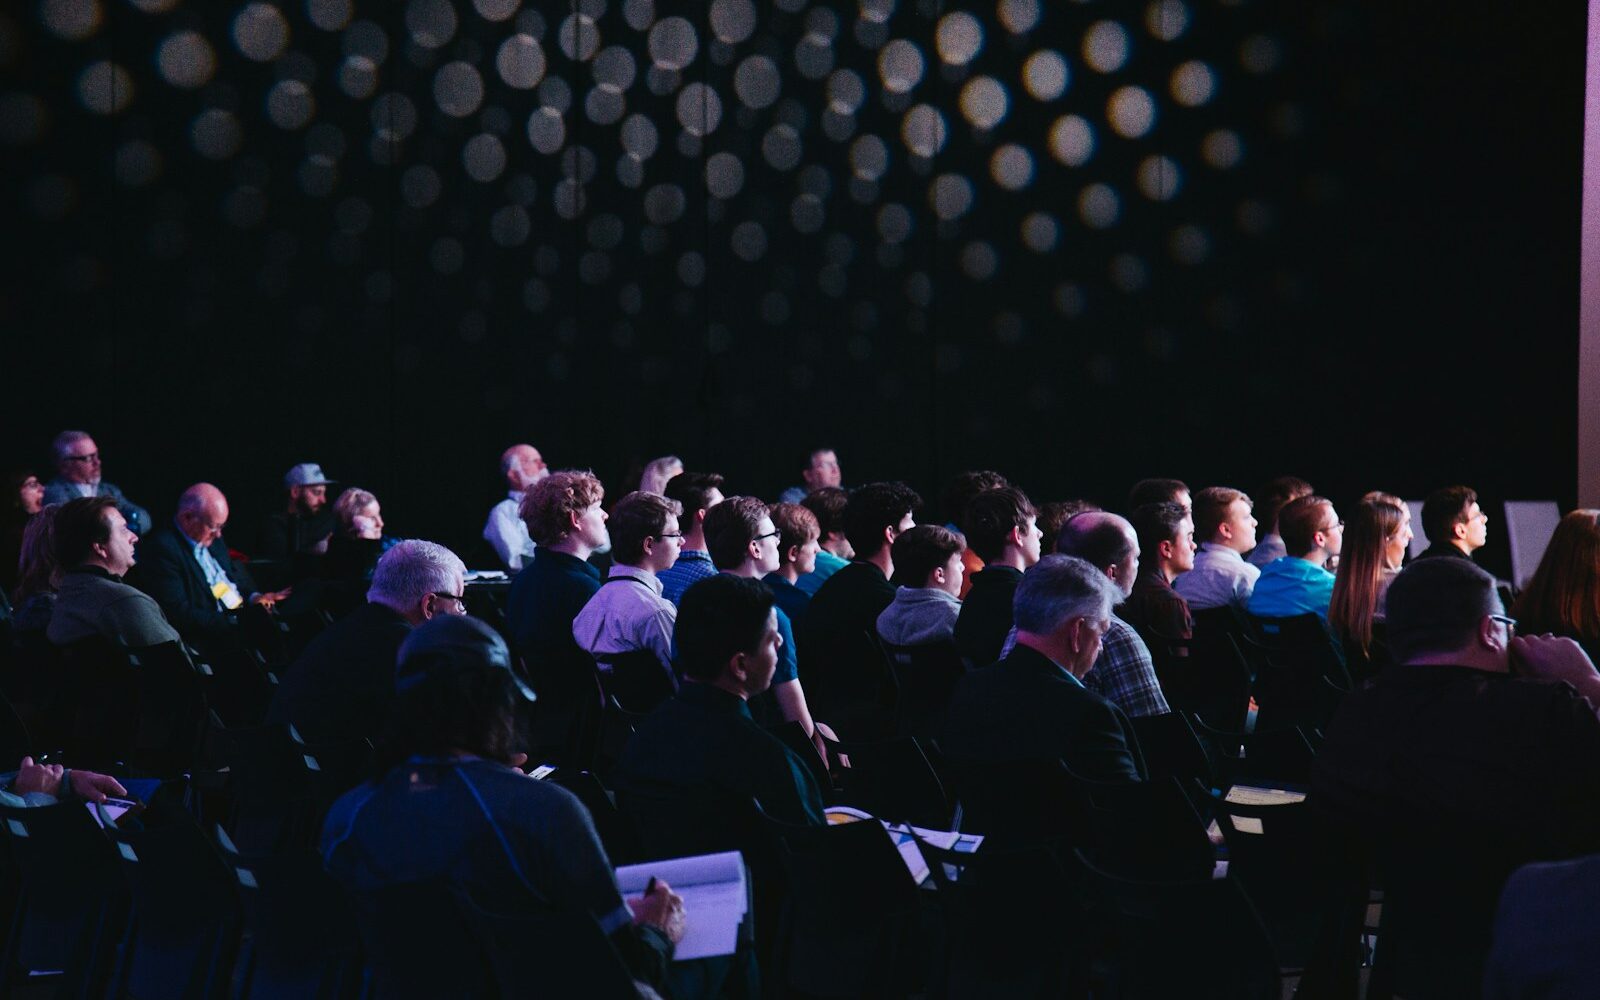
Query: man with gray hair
point(341, 684)
point(77, 461)
point(505, 531)
point(1033, 704)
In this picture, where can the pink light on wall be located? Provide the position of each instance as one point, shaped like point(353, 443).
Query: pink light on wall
point(1589, 282)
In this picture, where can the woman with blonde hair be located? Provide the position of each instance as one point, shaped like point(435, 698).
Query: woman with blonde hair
point(658, 473)
point(1375, 540)
point(1563, 597)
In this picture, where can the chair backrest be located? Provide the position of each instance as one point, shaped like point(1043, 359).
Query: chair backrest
point(617, 834)
point(925, 677)
point(1269, 757)
point(1171, 748)
point(893, 780)
point(300, 936)
point(549, 953)
point(282, 787)
point(101, 686)
point(1018, 802)
point(184, 917)
point(1145, 829)
point(1530, 524)
point(1190, 938)
point(637, 679)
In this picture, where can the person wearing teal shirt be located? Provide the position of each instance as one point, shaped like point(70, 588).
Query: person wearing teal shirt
point(1298, 583)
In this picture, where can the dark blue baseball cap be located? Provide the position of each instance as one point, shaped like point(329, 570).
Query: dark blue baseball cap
point(448, 644)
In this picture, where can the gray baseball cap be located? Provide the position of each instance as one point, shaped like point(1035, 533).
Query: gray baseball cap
point(306, 474)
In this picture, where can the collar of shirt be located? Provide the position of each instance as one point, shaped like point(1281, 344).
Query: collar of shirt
point(1040, 660)
point(1214, 551)
point(694, 555)
point(1303, 569)
point(515, 496)
point(644, 576)
point(710, 696)
point(100, 571)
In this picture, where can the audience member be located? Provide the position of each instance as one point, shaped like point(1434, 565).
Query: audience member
point(833, 547)
point(38, 574)
point(355, 547)
point(928, 566)
point(704, 739)
point(1298, 583)
point(1056, 513)
point(846, 608)
point(78, 475)
point(1369, 560)
point(1002, 526)
point(1564, 595)
point(1221, 577)
point(565, 520)
point(1033, 705)
point(188, 570)
point(744, 542)
point(306, 525)
point(1474, 732)
point(521, 467)
point(94, 545)
point(1455, 525)
point(696, 492)
point(33, 785)
point(1159, 491)
point(659, 473)
point(1277, 494)
point(1166, 546)
point(25, 498)
point(798, 534)
point(341, 685)
point(628, 614)
point(821, 470)
point(1123, 674)
point(449, 802)
point(957, 496)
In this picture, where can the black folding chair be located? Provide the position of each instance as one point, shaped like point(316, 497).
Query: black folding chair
point(925, 678)
point(183, 924)
point(892, 780)
point(282, 788)
point(547, 952)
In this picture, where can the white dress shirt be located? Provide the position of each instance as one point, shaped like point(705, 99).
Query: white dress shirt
point(507, 533)
point(625, 614)
point(1220, 577)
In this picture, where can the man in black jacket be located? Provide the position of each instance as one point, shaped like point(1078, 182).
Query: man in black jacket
point(1032, 705)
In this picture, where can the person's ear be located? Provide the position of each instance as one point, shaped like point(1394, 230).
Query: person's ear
point(649, 545)
point(791, 554)
point(1459, 530)
point(939, 576)
point(737, 668)
point(1166, 549)
point(1489, 634)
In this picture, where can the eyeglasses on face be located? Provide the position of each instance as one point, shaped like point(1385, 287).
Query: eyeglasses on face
point(770, 534)
point(459, 599)
point(1509, 622)
point(93, 456)
point(669, 534)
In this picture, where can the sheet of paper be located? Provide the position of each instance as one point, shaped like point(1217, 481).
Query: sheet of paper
point(845, 814)
point(715, 895)
point(1252, 795)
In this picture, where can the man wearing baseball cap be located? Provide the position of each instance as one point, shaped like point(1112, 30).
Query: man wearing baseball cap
point(303, 528)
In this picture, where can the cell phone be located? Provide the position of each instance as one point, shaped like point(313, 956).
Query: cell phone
point(119, 811)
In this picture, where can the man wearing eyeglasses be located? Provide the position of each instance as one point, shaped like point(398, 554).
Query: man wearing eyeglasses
point(341, 684)
point(78, 475)
point(1479, 751)
point(1300, 582)
point(628, 614)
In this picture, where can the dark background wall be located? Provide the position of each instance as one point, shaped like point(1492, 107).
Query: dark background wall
point(1235, 239)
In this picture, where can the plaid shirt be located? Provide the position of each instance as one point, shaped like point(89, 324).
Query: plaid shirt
point(692, 566)
point(1124, 674)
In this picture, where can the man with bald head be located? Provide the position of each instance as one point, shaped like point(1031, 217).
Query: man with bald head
point(1124, 673)
point(187, 569)
point(505, 531)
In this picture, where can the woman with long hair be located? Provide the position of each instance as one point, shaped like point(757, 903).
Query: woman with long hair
point(1375, 539)
point(24, 497)
point(38, 573)
point(1564, 595)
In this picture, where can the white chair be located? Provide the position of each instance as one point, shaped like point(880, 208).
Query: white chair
point(1529, 527)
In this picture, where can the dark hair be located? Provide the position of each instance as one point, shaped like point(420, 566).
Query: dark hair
point(719, 616)
point(1155, 523)
point(1564, 595)
point(1147, 491)
point(37, 569)
point(1443, 510)
point(922, 550)
point(796, 526)
point(958, 493)
point(990, 517)
point(14, 481)
point(1435, 606)
point(874, 507)
point(1275, 496)
point(1058, 512)
point(1098, 538)
point(692, 490)
point(1211, 509)
point(1361, 568)
point(828, 504)
point(636, 517)
point(1299, 522)
point(451, 710)
point(549, 505)
point(80, 525)
point(730, 528)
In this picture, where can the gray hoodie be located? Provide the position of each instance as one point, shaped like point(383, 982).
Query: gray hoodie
point(918, 616)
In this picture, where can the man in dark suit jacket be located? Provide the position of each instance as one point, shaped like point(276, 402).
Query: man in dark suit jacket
point(187, 569)
point(342, 684)
point(1477, 752)
point(1032, 705)
point(1003, 529)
